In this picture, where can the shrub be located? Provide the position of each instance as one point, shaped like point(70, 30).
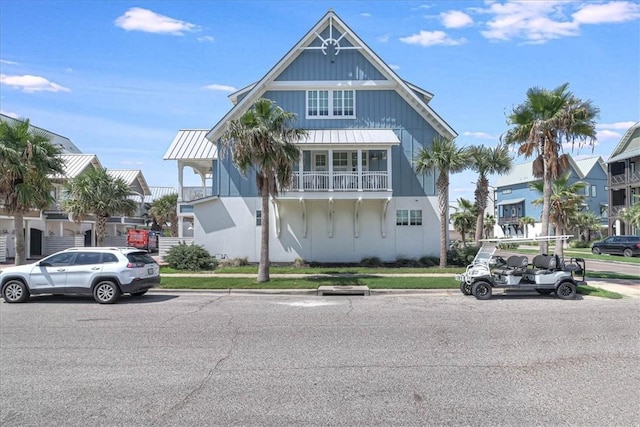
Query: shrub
point(235, 262)
point(371, 262)
point(190, 257)
point(463, 256)
point(505, 246)
point(580, 244)
point(300, 263)
point(407, 262)
point(429, 261)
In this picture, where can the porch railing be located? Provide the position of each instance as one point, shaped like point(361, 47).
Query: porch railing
point(195, 193)
point(339, 181)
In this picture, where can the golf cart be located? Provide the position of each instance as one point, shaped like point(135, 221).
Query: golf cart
point(545, 274)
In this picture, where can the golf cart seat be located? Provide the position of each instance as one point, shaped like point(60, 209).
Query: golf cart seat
point(516, 266)
point(544, 264)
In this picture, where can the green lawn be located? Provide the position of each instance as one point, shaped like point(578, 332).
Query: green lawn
point(253, 269)
point(583, 253)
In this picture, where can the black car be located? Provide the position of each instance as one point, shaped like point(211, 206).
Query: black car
point(618, 245)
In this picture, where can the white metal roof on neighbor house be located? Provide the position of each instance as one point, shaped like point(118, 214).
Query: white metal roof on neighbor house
point(75, 164)
point(159, 192)
point(523, 173)
point(132, 177)
point(629, 145)
point(191, 144)
point(351, 136)
point(511, 201)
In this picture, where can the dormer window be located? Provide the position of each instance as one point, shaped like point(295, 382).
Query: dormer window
point(331, 104)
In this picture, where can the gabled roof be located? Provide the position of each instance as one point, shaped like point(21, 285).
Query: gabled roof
point(523, 172)
point(132, 177)
point(415, 96)
point(62, 142)
point(75, 164)
point(191, 144)
point(629, 145)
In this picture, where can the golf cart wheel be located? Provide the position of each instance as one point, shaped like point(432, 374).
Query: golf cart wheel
point(596, 251)
point(544, 291)
point(465, 288)
point(628, 253)
point(15, 291)
point(566, 290)
point(481, 290)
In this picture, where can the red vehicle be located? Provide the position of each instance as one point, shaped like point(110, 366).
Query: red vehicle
point(143, 239)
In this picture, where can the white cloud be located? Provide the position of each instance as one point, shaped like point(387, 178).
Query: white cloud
point(432, 38)
point(615, 11)
point(384, 38)
point(7, 62)
point(617, 125)
point(534, 21)
point(145, 20)
point(365, 15)
point(131, 163)
point(608, 134)
point(479, 135)
point(394, 67)
point(208, 39)
point(223, 88)
point(10, 114)
point(455, 19)
point(31, 84)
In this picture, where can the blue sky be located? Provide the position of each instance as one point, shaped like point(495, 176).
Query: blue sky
point(120, 78)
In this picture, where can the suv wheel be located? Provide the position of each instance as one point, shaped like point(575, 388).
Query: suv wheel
point(15, 291)
point(106, 292)
point(628, 252)
point(566, 290)
point(596, 251)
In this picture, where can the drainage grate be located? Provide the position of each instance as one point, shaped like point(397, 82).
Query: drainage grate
point(343, 290)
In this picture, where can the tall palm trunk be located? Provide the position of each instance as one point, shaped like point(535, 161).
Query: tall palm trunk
point(559, 242)
point(443, 204)
point(546, 206)
point(263, 268)
point(101, 227)
point(482, 193)
point(21, 257)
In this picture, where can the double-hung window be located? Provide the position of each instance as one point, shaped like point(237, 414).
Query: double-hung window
point(409, 217)
point(331, 103)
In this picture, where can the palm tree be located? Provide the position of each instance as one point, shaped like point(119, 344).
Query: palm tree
point(546, 120)
point(488, 225)
point(487, 161)
point(165, 210)
point(263, 139)
point(27, 159)
point(525, 222)
point(586, 222)
point(566, 200)
point(444, 157)
point(631, 216)
point(97, 193)
point(464, 218)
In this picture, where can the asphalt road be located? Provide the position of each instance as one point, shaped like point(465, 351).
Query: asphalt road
point(198, 359)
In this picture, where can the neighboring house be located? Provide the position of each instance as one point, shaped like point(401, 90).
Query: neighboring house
point(624, 179)
point(514, 195)
point(355, 193)
point(51, 229)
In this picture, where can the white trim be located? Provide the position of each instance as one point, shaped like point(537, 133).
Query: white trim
point(330, 95)
point(383, 218)
point(332, 84)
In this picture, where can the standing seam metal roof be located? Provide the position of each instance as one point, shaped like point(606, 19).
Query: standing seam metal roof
point(191, 144)
point(130, 176)
point(75, 164)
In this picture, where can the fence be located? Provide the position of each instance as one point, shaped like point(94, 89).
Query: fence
point(166, 243)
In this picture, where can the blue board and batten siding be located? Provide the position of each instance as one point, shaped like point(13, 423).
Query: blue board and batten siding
point(377, 109)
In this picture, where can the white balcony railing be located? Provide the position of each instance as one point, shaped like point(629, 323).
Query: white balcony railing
point(195, 193)
point(340, 181)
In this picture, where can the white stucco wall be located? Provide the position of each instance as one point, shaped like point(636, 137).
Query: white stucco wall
point(228, 226)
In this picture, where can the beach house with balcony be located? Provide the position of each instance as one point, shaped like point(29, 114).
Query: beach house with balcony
point(355, 193)
point(514, 195)
point(624, 179)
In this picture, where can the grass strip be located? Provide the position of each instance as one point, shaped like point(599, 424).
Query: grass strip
point(597, 292)
point(611, 275)
point(253, 269)
point(372, 282)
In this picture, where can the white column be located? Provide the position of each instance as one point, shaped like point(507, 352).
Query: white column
point(359, 171)
point(180, 179)
point(180, 226)
point(301, 171)
point(330, 161)
point(389, 183)
point(61, 228)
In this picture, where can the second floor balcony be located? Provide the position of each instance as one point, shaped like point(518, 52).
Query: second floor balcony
point(339, 181)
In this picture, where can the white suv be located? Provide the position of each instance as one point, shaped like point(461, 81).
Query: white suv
point(105, 273)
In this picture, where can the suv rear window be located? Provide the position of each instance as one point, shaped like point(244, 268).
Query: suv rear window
point(144, 257)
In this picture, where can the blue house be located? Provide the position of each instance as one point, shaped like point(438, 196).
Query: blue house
point(514, 195)
point(355, 193)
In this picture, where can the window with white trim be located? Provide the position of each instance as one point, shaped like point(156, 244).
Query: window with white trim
point(342, 103)
point(593, 191)
point(409, 217)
